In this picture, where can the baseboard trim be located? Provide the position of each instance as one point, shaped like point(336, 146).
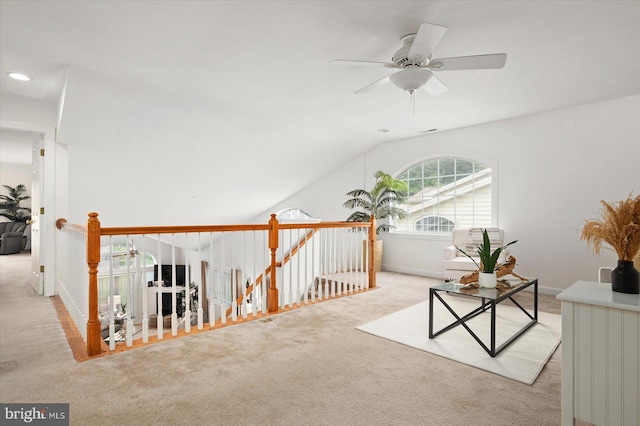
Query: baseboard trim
point(412, 271)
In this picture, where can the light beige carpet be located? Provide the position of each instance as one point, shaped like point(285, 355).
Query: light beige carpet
point(308, 366)
point(522, 360)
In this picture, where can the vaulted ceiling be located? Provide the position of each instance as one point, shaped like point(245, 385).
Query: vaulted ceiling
point(270, 61)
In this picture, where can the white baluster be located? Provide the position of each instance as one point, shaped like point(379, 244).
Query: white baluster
point(187, 286)
point(160, 284)
point(243, 282)
point(304, 279)
point(298, 263)
point(174, 314)
point(234, 281)
point(352, 262)
point(211, 284)
point(245, 305)
point(112, 326)
point(311, 277)
point(200, 312)
point(290, 286)
point(145, 295)
point(340, 259)
point(254, 298)
point(265, 258)
point(129, 319)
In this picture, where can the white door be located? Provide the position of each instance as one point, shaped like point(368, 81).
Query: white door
point(37, 225)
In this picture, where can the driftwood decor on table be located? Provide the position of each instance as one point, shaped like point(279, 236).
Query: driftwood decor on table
point(502, 270)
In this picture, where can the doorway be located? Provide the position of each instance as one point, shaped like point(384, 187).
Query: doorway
point(41, 152)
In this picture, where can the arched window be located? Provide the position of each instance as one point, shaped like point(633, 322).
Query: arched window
point(444, 193)
point(122, 263)
point(294, 214)
point(434, 224)
point(119, 254)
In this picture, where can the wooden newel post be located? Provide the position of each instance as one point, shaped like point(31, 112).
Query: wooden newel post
point(372, 244)
point(272, 295)
point(93, 259)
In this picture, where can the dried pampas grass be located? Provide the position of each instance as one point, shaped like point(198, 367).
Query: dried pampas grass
point(619, 226)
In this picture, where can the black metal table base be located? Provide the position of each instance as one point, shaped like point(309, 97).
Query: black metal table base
point(492, 350)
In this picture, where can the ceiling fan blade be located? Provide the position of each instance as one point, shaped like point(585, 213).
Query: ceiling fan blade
point(365, 63)
point(435, 86)
point(377, 83)
point(426, 40)
point(478, 62)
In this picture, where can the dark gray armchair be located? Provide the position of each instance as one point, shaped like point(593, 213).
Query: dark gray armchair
point(12, 237)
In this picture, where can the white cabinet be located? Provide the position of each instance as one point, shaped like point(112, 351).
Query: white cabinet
point(600, 364)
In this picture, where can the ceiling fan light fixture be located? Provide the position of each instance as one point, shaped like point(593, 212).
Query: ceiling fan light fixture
point(411, 79)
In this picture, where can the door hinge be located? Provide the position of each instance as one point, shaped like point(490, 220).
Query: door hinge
point(42, 268)
point(41, 210)
point(41, 152)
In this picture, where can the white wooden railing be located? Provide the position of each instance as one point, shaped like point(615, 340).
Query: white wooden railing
point(71, 275)
point(144, 282)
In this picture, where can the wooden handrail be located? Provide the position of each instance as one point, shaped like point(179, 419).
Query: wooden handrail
point(63, 224)
point(321, 225)
point(137, 230)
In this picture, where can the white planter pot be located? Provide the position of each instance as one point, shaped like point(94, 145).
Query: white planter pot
point(487, 279)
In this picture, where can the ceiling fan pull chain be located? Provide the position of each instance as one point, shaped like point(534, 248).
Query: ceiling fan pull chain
point(413, 102)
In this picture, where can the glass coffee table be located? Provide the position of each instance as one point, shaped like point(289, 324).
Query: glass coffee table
point(489, 298)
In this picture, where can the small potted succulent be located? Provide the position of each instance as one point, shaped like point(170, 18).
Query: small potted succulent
point(488, 260)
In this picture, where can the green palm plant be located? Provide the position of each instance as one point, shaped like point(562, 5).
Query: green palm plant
point(10, 204)
point(381, 202)
point(488, 259)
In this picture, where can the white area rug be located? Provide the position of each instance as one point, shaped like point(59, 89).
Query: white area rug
point(522, 360)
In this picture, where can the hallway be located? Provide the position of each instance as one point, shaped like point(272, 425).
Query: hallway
point(30, 333)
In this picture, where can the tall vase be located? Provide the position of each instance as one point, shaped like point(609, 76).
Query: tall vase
point(625, 278)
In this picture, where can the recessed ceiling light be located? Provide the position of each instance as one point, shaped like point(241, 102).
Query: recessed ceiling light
point(19, 76)
point(383, 130)
point(427, 131)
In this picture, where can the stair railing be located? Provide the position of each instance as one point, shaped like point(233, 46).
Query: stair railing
point(323, 260)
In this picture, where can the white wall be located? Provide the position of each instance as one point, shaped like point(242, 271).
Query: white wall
point(324, 198)
point(13, 174)
point(551, 171)
point(25, 110)
point(179, 159)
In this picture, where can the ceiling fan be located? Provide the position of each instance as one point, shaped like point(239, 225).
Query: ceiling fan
point(416, 66)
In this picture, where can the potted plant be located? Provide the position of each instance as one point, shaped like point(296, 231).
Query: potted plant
point(619, 227)
point(381, 202)
point(488, 260)
point(10, 204)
